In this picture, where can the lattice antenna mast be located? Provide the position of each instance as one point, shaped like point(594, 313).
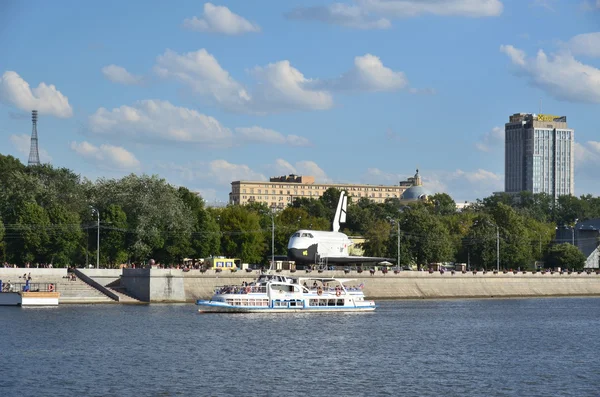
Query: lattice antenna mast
point(34, 155)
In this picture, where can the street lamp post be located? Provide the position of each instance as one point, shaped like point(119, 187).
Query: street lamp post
point(497, 248)
point(497, 244)
point(98, 239)
point(272, 240)
point(398, 263)
point(397, 222)
point(469, 257)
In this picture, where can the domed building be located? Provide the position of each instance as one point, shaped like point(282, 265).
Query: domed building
point(416, 192)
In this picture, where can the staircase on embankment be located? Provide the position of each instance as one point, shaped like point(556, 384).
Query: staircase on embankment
point(107, 281)
point(79, 292)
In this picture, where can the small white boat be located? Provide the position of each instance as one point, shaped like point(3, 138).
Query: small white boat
point(281, 294)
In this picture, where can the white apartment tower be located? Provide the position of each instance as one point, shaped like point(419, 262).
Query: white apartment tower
point(538, 155)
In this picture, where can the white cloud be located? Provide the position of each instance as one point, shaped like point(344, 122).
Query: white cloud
point(201, 72)
point(157, 121)
point(587, 44)
point(120, 75)
point(45, 98)
point(412, 8)
point(304, 167)
point(376, 14)
point(587, 162)
point(376, 176)
point(560, 75)
point(350, 16)
point(516, 56)
point(464, 185)
point(547, 4)
point(491, 139)
point(224, 172)
point(217, 172)
point(106, 156)
point(209, 195)
point(22, 143)
point(368, 74)
point(279, 86)
point(257, 134)
point(282, 167)
point(219, 19)
point(587, 155)
point(460, 185)
point(587, 5)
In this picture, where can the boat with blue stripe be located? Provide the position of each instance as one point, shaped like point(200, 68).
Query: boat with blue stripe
point(282, 294)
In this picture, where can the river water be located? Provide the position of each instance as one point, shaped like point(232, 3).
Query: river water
point(513, 347)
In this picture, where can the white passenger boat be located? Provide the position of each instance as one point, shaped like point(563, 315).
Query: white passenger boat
point(281, 294)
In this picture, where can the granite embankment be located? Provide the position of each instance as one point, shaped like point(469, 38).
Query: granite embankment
point(168, 285)
point(163, 285)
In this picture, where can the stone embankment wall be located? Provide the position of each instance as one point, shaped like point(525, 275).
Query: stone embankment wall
point(154, 285)
point(422, 285)
point(167, 285)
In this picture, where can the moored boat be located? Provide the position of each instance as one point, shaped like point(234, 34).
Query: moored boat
point(28, 294)
point(281, 294)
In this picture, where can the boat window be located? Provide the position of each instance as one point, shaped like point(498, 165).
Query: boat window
point(340, 302)
point(331, 302)
point(286, 288)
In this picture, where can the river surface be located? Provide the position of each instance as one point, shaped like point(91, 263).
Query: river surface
point(513, 347)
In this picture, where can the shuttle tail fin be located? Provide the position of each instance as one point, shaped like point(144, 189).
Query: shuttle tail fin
point(340, 212)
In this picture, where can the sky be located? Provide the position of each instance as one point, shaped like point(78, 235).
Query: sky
point(356, 91)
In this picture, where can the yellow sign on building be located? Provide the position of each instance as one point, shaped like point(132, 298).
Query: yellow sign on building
point(547, 117)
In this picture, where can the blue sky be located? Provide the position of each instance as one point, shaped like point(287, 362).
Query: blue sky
point(360, 91)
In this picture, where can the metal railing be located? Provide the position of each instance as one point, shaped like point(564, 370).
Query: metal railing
point(241, 289)
point(28, 287)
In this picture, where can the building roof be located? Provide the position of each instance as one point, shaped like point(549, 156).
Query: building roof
point(414, 193)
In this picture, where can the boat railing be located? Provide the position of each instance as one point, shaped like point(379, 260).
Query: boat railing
point(333, 291)
point(241, 289)
point(27, 287)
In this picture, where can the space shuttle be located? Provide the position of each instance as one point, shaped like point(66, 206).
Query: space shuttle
point(315, 246)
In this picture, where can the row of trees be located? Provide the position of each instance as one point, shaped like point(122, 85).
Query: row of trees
point(47, 216)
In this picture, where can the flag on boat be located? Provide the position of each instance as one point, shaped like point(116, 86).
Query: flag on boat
point(361, 285)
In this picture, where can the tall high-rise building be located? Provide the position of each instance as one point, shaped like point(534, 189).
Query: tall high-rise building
point(538, 155)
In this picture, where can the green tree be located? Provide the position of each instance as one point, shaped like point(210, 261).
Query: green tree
point(313, 206)
point(2, 231)
point(426, 237)
point(160, 222)
point(330, 199)
point(443, 204)
point(64, 235)
point(206, 239)
point(242, 236)
point(114, 235)
point(377, 239)
point(565, 256)
point(513, 233)
point(33, 225)
point(481, 242)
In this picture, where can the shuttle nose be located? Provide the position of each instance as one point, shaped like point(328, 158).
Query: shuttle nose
point(301, 254)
